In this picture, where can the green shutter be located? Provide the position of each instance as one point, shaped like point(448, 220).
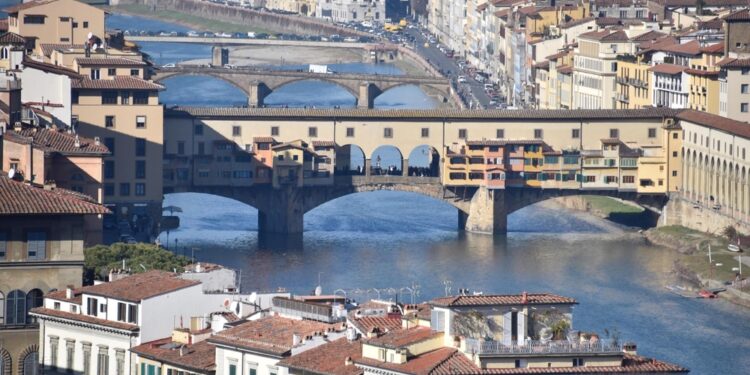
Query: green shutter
point(143, 369)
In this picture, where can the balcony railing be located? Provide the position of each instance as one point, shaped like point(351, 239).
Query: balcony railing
point(482, 347)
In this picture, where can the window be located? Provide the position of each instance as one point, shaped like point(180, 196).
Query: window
point(75, 95)
point(614, 133)
point(109, 97)
point(388, 132)
point(181, 148)
point(628, 179)
point(109, 169)
point(589, 179)
point(538, 134)
point(232, 369)
point(140, 189)
point(578, 362)
point(109, 142)
point(462, 133)
point(111, 72)
point(125, 189)
point(425, 132)
point(121, 312)
point(350, 132)
point(198, 130)
point(75, 25)
point(109, 121)
point(140, 169)
point(36, 244)
point(652, 132)
point(103, 308)
point(85, 24)
point(575, 133)
point(33, 19)
point(135, 72)
point(31, 364)
point(15, 308)
point(92, 306)
point(102, 361)
point(236, 131)
point(744, 107)
point(53, 348)
point(745, 71)
point(274, 130)
point(119, 361)
point(95, 74)
point(140, 97)
point(312, 132)
point(109, 189)
point(140, 122)
point(70, 346)
point(202, 148)
point(3, 250)
point(86, 358)
point(745, 88)
point(500, 133)
point(674, 173)
point(133, 314)
point(140, 147)
point(252, 371)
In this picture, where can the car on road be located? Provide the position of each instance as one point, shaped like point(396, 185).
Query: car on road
point(170, 65)
point(461, 79)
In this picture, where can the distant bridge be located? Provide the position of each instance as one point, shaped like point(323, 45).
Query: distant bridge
point(245, 41)
point(258, 84)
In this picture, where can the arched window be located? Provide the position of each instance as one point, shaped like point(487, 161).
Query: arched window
point(15, 308)
point(5, 362)
point(31, 364)
point(4, 53)
point(35, 298)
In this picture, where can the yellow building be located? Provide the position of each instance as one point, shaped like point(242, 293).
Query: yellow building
point(291, 162)
point(56, 21)
point(659, 167)
point(633, 81)
point(703, 78)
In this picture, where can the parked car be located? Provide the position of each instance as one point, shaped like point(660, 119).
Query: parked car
point(461, 79)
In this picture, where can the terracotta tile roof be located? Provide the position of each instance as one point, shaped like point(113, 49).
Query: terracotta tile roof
point(422, 364)
point(61, 142)
point(509, 299)
point(735, 127)
point(50, 68)
point(118, 82)
point(26, 5)
point(557, 55)
point(12, 38)
point(606, 36)
point(502, 13)
point(199, 357)
point(482, 7)
point(381, 324)
point(323, 144)
point(667, 68)
point(656, 45)
point(714, 24)
point(714, 48)
point(60, 295)
point(729, 62)
point(403, 337)
point(271, 335)
point(397, 114)
point(607, 21)
point(459, 364)
point(648, 36)
point(109, 61)
point(141, 286)
point(740, 15)
point(691, 3)
point(577, 22)
point(65, 315)
point(702, 73)
point(264, 140)
point(47, 48)
point(690, 48)
point(503, 142)
point(565, 69)
point(18, 198)
point(328, 359)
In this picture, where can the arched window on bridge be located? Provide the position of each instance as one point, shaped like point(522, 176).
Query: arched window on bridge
point(424, 161)
point(386, 160)
point(350, 160)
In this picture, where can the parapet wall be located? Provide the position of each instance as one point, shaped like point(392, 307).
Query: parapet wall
point(680, 211)
point(280, 23)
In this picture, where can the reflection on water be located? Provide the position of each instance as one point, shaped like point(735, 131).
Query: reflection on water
point(394, 239)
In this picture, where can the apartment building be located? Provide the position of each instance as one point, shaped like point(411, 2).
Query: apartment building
point(56, 21)
point(302, 7)
point(42, 235)
point(703, 78)
point(351, 10)
point(595, 68)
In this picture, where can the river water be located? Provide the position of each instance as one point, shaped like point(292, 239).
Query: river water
point(393, 240)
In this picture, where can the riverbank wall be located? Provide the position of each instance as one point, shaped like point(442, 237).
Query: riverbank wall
point(680, 211)
point(281, 23)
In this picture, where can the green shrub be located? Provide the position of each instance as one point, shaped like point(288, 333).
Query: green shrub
point(140, 257)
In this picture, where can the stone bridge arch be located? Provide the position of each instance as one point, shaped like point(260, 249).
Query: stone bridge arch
point(163, 76)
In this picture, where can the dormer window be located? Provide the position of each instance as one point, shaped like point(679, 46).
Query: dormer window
point(92, 306)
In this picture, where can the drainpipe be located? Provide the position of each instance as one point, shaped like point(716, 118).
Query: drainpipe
point(580, 153)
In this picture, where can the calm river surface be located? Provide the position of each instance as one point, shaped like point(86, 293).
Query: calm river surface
point(393, 240)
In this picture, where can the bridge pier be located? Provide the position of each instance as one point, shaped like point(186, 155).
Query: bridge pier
point(284, 213)
point(258, 91)
point(367, 94)
point(487, 213)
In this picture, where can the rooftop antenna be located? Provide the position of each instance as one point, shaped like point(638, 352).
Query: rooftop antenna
point(447, 284)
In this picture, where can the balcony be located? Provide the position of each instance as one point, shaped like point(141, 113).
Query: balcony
point(535, 347)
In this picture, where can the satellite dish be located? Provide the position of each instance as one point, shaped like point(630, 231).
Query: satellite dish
point(227, 302)
point(11, 173)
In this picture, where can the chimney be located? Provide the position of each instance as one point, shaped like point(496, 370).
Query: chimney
point(524, 298)
point(69, 292)
point(296, 340)
point(348, 361)
point(77, 142)
point(630, 348)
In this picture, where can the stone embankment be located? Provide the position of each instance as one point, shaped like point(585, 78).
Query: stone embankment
point(280, 23)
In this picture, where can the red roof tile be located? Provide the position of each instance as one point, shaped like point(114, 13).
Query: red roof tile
point(199, 357)
point(264, 140)
point(713, 48)
point(51, 140)
point(25, 5)
point(577, 22)
point(328, 359)
point(648, 36)
point(729, 62)
point(702, 73)
point(730, 126)
point(422, 364)
point(12, 38)
point(323, 144)
point(738, 16)
point(403, 337)
point(17, 198)
point(118, 82)
point(140, 286)
point(511, 299)
point(47, 48)
point(272, 335)
point(667, 68)
point(690, 48)
point(381, 324)
point(109, 61)
point(61, 295)
point(68, 316)
point(50, 68)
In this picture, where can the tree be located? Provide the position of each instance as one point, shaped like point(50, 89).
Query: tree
point(140, 257)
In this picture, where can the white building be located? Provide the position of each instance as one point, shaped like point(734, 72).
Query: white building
point(351, 10)
point(91, 330)
point(48, 87)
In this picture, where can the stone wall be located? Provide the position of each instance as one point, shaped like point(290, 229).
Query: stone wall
point(265, 20)
point(683, 212)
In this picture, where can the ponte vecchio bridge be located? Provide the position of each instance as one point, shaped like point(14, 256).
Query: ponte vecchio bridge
point(259, 83)
point(487, 164)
